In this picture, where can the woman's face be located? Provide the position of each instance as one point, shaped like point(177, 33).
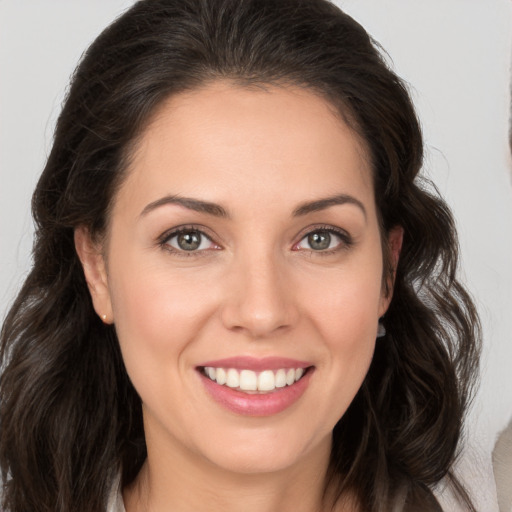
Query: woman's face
point(243, 254)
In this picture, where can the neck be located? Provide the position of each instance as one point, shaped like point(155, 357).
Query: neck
point(185, 483)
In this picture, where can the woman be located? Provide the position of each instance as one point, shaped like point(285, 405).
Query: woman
point(231, 214)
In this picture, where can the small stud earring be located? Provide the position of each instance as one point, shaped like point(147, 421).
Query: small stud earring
point(104, 318)
point(381, 330)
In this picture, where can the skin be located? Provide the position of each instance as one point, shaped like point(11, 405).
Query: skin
point(255, 287)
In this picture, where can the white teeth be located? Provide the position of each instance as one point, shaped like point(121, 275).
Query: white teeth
point(248, 380)
point(280, 378)
point(233, 378)
point(220, 376)
point(266, 381)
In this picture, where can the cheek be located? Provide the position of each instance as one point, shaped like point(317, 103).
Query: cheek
point(345, 315)
point(346, 301)
point(156, 313)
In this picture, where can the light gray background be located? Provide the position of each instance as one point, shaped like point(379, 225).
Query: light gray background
point(456, 55)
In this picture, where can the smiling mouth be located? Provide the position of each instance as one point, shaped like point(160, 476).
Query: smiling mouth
point(251, 382)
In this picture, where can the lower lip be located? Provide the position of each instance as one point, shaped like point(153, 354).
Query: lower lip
point(264, 404)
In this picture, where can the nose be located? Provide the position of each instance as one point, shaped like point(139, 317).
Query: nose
point(259, 299)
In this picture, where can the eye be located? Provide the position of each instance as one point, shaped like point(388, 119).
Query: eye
point(189, 240)
point(324, 239)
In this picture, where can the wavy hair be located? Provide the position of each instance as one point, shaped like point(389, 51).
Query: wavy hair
point(70, 417)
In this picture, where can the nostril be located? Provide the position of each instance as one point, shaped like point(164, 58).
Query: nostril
point(258, 299)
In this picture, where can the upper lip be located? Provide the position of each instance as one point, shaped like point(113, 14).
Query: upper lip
point(255, 363)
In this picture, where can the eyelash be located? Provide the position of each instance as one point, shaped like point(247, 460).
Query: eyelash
point(163, 241)
point(345, 243)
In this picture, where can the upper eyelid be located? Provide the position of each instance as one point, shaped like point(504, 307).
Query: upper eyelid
point(346, 240)
point(168, 234)
point(163, 242)
point(323, 227)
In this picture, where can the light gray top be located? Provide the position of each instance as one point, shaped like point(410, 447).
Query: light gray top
point(115, 500)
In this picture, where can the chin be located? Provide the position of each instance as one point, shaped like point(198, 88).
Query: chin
point(252, 464)
point(265, 453)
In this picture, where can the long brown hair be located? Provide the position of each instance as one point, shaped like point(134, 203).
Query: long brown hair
point(70, 418)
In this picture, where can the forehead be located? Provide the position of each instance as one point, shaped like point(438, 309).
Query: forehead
point(222, 138)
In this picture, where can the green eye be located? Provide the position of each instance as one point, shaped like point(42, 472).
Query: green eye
point(324, 240)
point(319, 240)
point(190, 240)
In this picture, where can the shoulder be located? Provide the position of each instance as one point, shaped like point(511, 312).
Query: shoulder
point(502, 465)
point(414, 497)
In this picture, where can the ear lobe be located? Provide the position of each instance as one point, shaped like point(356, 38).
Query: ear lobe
point(93, 264)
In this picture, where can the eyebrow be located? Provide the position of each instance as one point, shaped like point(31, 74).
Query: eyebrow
point(218, 211)
point(322, 204)
point(187, 202)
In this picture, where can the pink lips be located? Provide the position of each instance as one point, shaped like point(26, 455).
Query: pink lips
point(257, 365)
point(259, 404)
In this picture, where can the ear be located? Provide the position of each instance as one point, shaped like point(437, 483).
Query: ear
point(93, 263)
point(395, 240)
